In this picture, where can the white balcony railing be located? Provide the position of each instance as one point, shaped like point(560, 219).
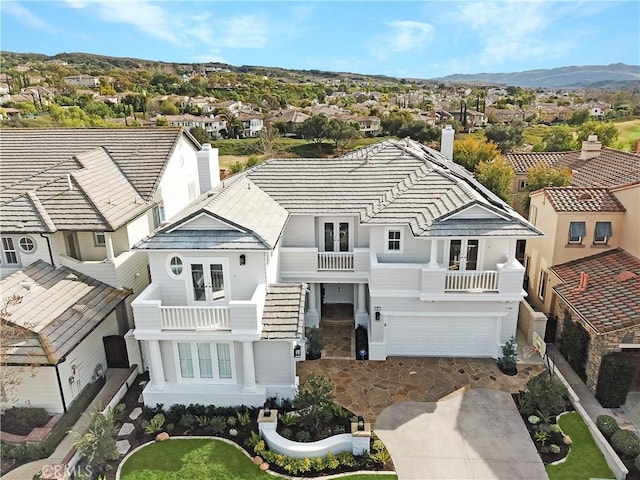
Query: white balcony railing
point(471, 281)
point(195, 318)
point(336, 261)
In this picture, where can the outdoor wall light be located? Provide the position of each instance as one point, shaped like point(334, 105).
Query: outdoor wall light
point(361, 424)
point(377, 314)
point(243, 259)
point(266, 410)
point(297, 351)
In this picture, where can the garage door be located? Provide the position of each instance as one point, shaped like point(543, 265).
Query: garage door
point(436, 337)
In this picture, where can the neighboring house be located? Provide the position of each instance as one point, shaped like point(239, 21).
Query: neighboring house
point(420, 253)
point(212, 124)
point(252, 123)
point(369, 126)
point(505, 115)
point(290, 117)
point(59, 337)
point(82, 81)
point(474, 118)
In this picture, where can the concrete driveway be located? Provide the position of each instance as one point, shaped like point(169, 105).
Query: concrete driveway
point(475, 434)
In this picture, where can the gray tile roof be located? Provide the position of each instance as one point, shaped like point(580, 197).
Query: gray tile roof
point(283, 315)
point(201, 240)
point(113, 172)
point(59, 308)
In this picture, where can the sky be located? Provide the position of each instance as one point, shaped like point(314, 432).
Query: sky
point(412, 39)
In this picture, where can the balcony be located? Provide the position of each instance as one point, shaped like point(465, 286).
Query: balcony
point(119, 272)
point(335, 261)
point(240, 316)
point(309, 264)
point(471, 281)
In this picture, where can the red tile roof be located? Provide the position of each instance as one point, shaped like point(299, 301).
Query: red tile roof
point(610, 168)
point(522, 162)
point(573, 199)
point(611, 299)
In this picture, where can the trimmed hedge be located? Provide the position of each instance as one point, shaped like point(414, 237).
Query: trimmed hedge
point(607, 425)
point(574, 345)
point(614, 379)
point(626, 443)
point(21, 420)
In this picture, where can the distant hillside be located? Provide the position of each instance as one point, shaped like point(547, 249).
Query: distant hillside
point(584, 76)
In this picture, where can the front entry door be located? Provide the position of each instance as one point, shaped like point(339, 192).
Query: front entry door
point(206, 283)
point(463, 254)
point(336, 236)
point(115, 349)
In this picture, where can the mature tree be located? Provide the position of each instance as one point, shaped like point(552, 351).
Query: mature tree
point(314, 401)
point(268, 139)
point(542, 176)
point(578, 117)
point(419, 130)
point(200, 134)
point(558, 138)
point(470, 151)
point(606, 131)
point(341, 132)
point(507, 137)
point(497, 176)
point(167, 107)
point(315, 129)
point(97, 445)
point(392, 123)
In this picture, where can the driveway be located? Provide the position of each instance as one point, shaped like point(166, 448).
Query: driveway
point(474, 434)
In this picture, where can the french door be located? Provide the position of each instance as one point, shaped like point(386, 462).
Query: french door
point(335, 236)
point(206, 283)
point(463, 254)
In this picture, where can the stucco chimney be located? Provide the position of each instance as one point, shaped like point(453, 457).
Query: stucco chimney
point(208, 167)
point(590, 148)
point(446, 142)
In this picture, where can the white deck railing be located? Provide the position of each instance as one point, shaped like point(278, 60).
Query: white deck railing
point(341, 261)
point(195, 318)
point(471, 281)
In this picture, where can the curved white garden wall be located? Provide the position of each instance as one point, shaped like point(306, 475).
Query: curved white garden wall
point(336, 444)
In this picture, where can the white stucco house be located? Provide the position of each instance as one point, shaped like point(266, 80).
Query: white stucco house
point(423, 254)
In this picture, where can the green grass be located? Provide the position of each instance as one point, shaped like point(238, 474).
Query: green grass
point(533, 133)
point(629, 134)
point(585, 459)
point(201, 459)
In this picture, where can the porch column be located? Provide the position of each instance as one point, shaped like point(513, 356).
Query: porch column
point(311, 315)
point(108, 243)
point(312, 298)
point(248, 367)
point(156, 370)
point(433, 256)
point(511, 254)
point(362, 307)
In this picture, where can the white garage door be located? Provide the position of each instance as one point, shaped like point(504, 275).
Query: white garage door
point(439, 337)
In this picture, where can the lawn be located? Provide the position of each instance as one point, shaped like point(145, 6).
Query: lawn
point(585, 459)
point(629, 134)
point(201, 459)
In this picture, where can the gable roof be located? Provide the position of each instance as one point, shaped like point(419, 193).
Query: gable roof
point(576, 199)
point(611, 300)
point(59, 307)
point(283, 314)
point(80, 179)
point(523, 162)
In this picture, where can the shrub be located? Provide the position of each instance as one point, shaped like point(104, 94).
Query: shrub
point(217, 425)
point(288, 419)
point(331, 461)
point(231, 421)
point(175, 413)
point(287, 433)
point(533, 419)
point(187, 420)
point(614, 380)
point(555, 428)
point(303, 436)
point(243, 418)
point(314, 346)
point(545, 393)
point(636, 463)
point(314, 401)
point(509, 357)
point(97, 445)
point(553, 448)
point(574, 345)
point(156, 424)
point(626, 443)
point(607, 425)
point(21, 420)
point(346, 459)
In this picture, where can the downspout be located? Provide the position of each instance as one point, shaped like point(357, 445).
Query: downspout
point(50, 256)
point(64, 404)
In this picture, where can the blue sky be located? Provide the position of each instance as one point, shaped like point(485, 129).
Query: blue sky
point(414, 39)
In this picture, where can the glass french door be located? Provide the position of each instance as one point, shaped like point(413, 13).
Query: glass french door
point(336, 236)
point(463, 254)
point(206, 283)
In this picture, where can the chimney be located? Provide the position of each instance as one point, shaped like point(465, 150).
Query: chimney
point(446, 142)
point(208, 167)
point(590, 148)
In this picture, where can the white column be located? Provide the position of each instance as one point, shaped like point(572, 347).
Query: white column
point(433, 256)
point(362, 310)
point(312, 298)
point(511, 254)
point(108, 243)
point(311, 315)
point(249, 368)
point(156, 370)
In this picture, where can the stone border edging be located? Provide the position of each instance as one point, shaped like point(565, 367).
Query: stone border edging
point(230, 442)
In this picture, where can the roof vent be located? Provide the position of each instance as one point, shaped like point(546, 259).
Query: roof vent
point(625, 275)
point(69, 182)
point(585, 196)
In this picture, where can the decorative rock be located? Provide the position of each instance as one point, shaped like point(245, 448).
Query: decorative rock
point(126, 429)
point(142, 383)
point(161, 437)
point(135, 413)
point(233, 432)
point(258, 460)
point(264, 466)
point(123, 446)
point(567, 440)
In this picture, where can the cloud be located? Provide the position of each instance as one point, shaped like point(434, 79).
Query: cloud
point(248, 31)
point(402, 36)
point(24, 15)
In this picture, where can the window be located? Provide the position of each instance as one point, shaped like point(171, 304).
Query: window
point(27, 245)
point(217, 281)
point(577, 231)
point(99, 239)
point(205, 361)
point(176, 265)
point(602, 233)
point(394, 241)
point(522, 185)
point(9, 251)
point(158, 215)
point(542, 285)
point(533, 214)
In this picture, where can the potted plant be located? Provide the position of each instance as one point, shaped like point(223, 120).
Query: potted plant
point(507, 363)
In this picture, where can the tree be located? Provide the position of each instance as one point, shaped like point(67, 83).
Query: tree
point(314, 401)
point(268, 140)
point(419, 130)
point(470, 151)
point(542, 176)
point(167, 107)
point(578, 117)
point(606, 131)
point(507, 137)
point(315, 128)
point(497, 176)
point(558, 138)
point(97, 445)
point(341, 132)
point(200, 134)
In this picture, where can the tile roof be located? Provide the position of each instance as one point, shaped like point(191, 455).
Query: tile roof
point(611, 300)
point(522, 162)
point(283, 314)
point(609, 169)
point(575, 199)
point(80, 179)
point(59, 308)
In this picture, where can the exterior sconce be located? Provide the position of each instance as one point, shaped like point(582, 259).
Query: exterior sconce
point(377, 314)
point(297, 351)
point(243, 259)
point(266, 410)
point(361, 424)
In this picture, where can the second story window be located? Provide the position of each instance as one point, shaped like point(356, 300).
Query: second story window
point(542, 285)
point(533, 214)
point(99, 239)
point(9, 254)
point(394, 241)
point(27, 245)
point(577, 231)
point(602, 233)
